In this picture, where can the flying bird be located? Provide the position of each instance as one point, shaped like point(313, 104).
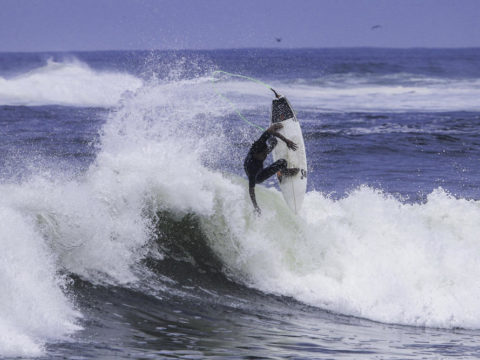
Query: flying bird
point(375, 27)
point(278, 39)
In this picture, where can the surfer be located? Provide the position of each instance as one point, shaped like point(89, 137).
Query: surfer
point(257, 154)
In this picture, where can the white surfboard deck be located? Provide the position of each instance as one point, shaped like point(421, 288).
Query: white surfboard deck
point(293, 187)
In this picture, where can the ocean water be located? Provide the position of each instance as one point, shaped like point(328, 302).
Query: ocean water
point(127, 230)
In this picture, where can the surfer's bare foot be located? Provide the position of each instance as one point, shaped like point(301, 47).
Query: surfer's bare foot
point(290, 172)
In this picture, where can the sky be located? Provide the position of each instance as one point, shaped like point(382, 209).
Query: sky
point(85, 25)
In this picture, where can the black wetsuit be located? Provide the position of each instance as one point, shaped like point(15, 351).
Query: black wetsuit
point(253, 165)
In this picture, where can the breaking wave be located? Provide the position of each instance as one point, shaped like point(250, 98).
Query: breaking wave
point(70, 83)
point(368, 254)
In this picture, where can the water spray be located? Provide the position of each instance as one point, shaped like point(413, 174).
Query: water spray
point(234, 108)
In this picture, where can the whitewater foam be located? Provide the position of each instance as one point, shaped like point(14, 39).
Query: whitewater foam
point(367, 255)
point(33, 307)
point(71, 83)
point(348, 93)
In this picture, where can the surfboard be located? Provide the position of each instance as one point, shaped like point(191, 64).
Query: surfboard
point(293, 187)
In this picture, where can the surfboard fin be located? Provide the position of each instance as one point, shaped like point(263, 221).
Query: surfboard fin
point(277, 95)
point(279, 176)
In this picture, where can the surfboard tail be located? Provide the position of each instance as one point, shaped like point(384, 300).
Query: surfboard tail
point(281, 110)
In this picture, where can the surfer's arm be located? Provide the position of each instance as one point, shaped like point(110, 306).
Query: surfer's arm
point(251, 190)
point(290, 144)
point(273, 130)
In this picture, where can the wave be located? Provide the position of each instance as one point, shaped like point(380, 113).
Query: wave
point(98, 226)
point(74, 83)
point(368, 254)
point(366, 93)
point(70, 83)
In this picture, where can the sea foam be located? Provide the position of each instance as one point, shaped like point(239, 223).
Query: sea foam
point(33, 307)
point(70, 83)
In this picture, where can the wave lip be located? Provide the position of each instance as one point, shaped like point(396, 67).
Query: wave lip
point(68, 83)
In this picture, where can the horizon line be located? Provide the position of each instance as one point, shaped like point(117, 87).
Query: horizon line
point(244, 48)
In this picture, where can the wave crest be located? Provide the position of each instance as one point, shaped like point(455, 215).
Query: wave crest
point(70, 83)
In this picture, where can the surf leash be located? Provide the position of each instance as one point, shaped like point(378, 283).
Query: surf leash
point(234, 108)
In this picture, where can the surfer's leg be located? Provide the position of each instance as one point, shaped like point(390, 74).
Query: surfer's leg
point(279, 165)
point(271, 143)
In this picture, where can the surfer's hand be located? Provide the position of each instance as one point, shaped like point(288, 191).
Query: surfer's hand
point(291, 145)
point(275, 127)
point(258, 212)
